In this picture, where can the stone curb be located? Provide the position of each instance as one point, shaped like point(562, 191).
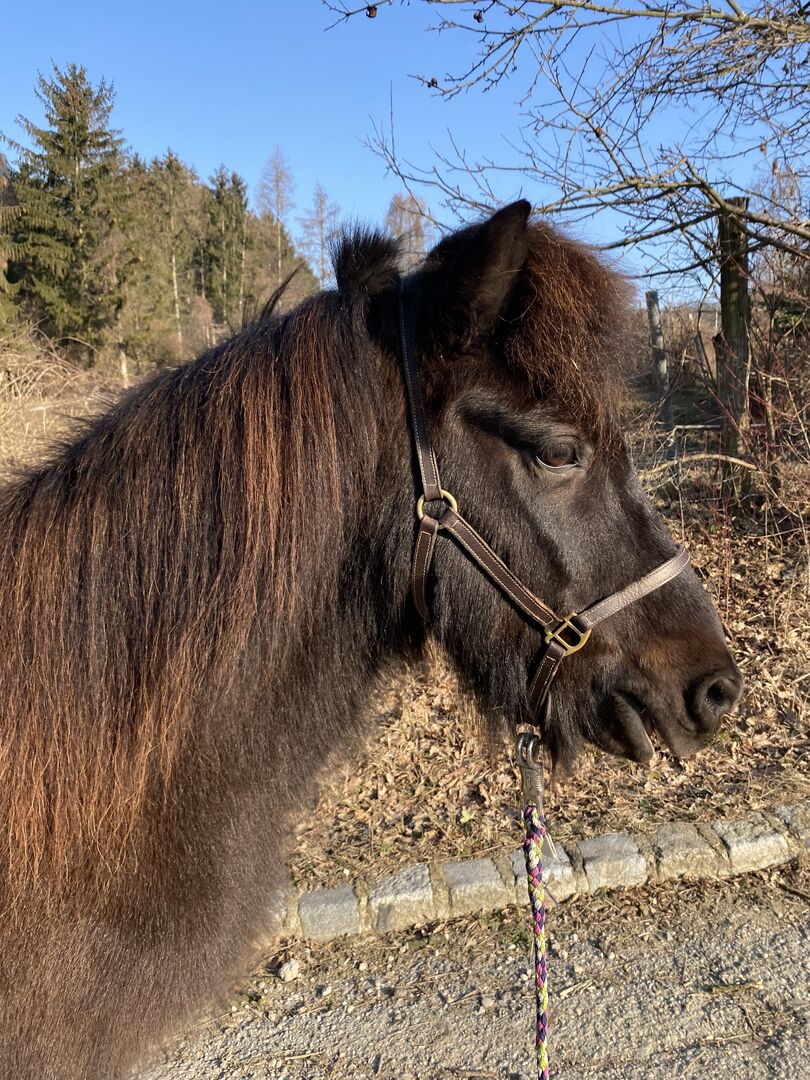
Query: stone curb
point(420, 894)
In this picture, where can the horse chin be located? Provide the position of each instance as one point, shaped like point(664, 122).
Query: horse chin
point(627, 727)
point(623, 728)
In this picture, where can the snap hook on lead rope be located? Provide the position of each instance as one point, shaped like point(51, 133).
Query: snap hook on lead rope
point(529, 754)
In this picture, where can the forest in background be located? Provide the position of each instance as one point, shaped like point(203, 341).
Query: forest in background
point(113, 261)
point(111, 265)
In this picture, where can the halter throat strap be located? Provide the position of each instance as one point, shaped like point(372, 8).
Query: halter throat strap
point(562, 636)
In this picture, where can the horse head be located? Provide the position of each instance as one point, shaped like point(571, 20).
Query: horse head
point(517, 337)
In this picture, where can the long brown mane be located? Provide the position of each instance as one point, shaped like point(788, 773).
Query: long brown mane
point(137, 564)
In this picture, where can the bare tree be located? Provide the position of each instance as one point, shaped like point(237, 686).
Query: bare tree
point(780, 341)
point(596, 80)
point(276, 186)
point(669, 115)
point(407, 218)
point(317, 228)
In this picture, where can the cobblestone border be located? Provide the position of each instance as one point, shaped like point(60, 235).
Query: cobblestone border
point(422, 893)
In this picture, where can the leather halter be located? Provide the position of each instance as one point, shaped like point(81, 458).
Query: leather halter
point(562, 636)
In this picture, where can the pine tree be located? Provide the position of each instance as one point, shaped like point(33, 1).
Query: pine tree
point(9, 212)
point(175, 182)
point(138, 260)
point(69, 258)
point(227, 246)
point(166, 220)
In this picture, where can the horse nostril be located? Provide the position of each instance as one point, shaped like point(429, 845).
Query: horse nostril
point(716, 695)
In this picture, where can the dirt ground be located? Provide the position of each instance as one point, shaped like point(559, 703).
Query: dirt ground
point(688, 981)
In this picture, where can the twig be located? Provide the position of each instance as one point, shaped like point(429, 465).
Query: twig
point(691, 458)
point(794, 891)
point(471, 1074)
point(732, 988)
point(568, 990)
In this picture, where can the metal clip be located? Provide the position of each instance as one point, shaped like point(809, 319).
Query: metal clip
point(529, 753)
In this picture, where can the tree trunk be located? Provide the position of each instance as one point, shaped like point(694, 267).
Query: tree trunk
point(176, 300)
point(242, 268)
point(662, 374)
point(278, 250)
point(123, 366)
point(732, 346)
point(175, 291)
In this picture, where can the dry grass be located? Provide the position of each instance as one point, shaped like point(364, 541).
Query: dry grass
point(40, 392)
point(424, 787)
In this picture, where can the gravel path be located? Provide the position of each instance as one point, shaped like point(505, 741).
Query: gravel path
point(697, 981)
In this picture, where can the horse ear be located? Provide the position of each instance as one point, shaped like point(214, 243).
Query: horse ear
point(471, 274)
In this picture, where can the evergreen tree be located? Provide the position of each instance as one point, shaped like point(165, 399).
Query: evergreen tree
point(176, 186)
point(140, 260)
point(227, 246)
point(165, 201)
point(69, 259)
point(9, 211)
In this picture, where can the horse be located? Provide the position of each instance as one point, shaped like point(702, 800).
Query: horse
point(203, 587)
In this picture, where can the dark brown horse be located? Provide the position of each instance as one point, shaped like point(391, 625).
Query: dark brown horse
point(213, 577)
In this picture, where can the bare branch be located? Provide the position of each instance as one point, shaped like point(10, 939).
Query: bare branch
point(597, 79)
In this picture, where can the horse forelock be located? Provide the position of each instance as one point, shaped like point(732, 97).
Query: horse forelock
point(566, 331)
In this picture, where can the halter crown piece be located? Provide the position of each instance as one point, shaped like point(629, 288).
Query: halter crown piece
point(561, 638)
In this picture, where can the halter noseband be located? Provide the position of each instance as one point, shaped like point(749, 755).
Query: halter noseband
point(562, 637)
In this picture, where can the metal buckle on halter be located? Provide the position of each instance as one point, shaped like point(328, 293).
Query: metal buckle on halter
point(448, 498)
point(563, 627)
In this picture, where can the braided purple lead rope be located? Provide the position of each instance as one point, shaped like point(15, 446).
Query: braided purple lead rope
point(532, 849)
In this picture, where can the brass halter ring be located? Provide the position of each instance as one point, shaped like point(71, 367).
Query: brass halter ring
point(448, 498)
point(567, 627)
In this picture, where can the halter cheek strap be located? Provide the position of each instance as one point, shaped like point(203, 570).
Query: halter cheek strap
point(562, 636)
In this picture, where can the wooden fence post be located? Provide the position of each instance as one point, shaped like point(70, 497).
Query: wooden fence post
point(662, 373)
point(732, 346)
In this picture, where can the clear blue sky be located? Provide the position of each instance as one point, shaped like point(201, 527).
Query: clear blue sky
point(227, 82)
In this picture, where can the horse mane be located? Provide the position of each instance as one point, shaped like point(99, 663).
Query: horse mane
point(208, 509)
point(140, 560)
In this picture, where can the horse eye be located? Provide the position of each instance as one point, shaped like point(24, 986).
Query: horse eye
point(557, 455)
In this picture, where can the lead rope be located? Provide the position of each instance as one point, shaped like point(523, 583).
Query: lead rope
point(529, 755)
point(532, 848)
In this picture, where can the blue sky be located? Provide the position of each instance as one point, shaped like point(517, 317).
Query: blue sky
point(228, 82)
